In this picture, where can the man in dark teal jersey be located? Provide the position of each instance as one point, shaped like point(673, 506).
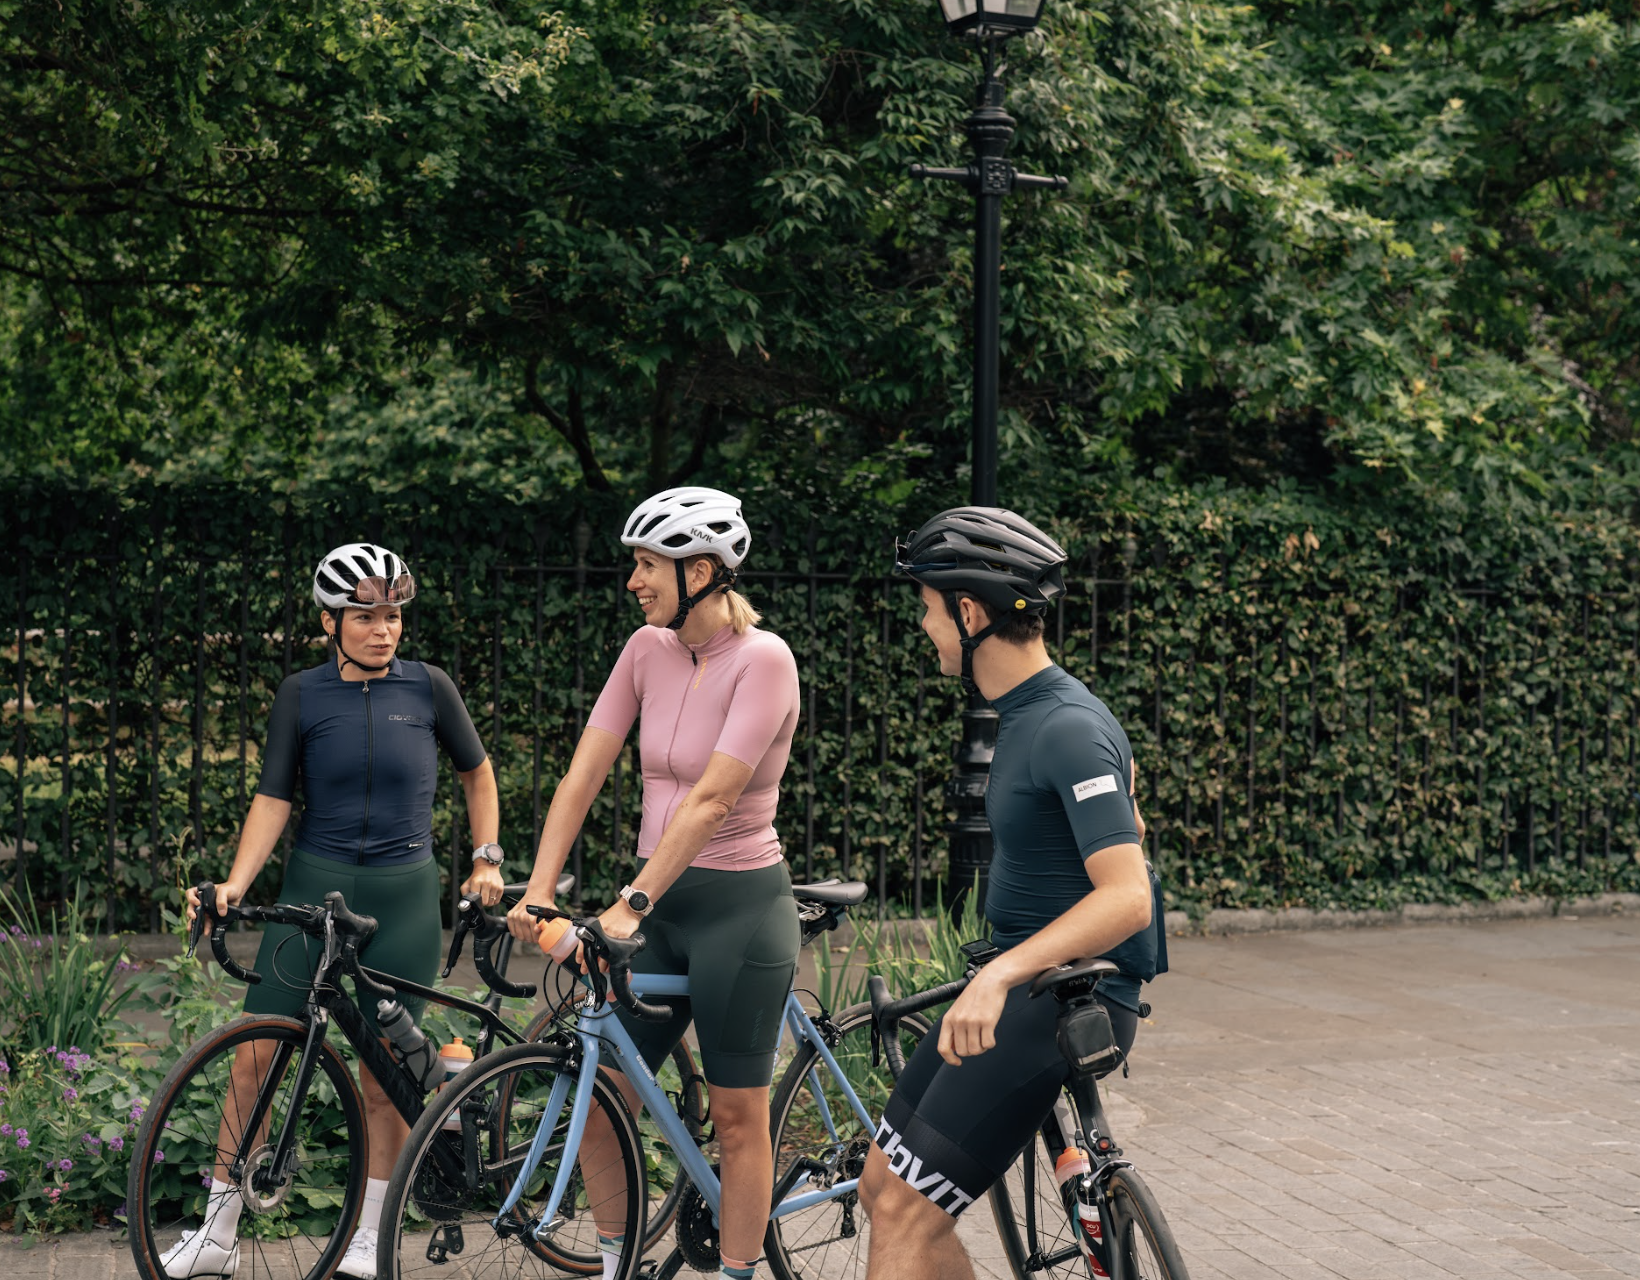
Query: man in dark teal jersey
point(1068, 880)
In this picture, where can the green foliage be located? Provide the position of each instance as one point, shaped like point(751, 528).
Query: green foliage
point(645, 238)
point(57, 982)
point(65, 1119)
point(908, 955)
point(1431, 694)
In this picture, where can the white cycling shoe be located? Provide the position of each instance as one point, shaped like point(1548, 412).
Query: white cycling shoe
point(196, 1254)
point(360, 1259)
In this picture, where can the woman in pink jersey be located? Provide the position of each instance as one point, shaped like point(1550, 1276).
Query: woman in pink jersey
point(717, 704)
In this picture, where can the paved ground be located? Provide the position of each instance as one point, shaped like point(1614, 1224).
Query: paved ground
point(1419, 1103)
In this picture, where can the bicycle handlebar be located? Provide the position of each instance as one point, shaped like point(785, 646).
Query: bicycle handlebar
point(356, 930)
point(886, 1013)
point(487, 930)
point(617, 953)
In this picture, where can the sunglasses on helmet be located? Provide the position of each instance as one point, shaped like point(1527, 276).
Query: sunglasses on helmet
point(369, 592)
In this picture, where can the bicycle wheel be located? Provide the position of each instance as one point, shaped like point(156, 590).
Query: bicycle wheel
point(1147, 1246)
point(294, 1223)
point(1039, 1239)
point(686, 1087)
point(811, 1120)
point(446, 1195)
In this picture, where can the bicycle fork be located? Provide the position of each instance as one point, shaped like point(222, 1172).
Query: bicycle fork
point(1087, 1127)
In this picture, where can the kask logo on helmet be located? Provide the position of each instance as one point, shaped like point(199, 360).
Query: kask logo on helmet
point(705, 535)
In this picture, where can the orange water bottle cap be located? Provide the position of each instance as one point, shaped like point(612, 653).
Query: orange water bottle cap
point(1072, 1162)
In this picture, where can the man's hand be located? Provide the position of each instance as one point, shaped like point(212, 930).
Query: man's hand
point(228, 894)
point(486, 881)
point(969, 1026)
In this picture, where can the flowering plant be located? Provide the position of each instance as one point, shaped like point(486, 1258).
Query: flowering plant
point(65, 1119)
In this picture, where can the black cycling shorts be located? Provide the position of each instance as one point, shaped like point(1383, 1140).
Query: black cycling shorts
point(735, 934)
point(950, 1132)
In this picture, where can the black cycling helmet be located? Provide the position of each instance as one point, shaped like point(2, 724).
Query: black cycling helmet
point(991, 554)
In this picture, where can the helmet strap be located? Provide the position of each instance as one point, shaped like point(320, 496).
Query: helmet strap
point(723, 578)
point(969, 642)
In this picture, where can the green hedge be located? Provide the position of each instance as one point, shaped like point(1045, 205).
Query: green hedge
point(1330, 705)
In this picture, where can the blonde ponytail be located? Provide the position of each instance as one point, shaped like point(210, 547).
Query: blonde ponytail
point(741, 613)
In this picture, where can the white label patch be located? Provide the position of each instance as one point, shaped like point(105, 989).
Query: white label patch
point(1094, 787)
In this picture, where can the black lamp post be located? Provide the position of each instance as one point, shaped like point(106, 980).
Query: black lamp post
point(990, 177)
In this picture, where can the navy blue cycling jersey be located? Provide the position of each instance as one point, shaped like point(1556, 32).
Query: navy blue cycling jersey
point(366, 752)
point(1058, 793)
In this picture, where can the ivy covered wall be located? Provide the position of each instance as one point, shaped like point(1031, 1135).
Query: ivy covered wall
point(1331, 704)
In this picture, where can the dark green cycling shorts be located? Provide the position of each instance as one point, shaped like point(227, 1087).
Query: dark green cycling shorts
point(735, 934)
point(405, 902)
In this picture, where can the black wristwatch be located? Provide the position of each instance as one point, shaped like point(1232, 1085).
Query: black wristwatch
point(490, 853)
point(637, 899)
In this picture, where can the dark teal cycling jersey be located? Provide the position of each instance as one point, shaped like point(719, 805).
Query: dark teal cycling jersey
point(1058, 793)
point(366, 753)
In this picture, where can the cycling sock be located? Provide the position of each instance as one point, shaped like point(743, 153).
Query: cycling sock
point(222, 1206)
point(375, 1195)
point(735, 1269)
point(612, 1260)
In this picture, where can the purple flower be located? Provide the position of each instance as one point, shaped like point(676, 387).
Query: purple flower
point(136, 1111)
point(71, 1095)
point(65, 1165)
point(4, 1175)
point(205, 1181)
point(22, 1144)
point(116, 1143)
point(5, 1131)
point(5, 1067)
point(50, 1049)
point(159, 1157)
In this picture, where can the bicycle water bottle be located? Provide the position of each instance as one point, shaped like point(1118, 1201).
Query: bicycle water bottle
point(556, 938)
point(1079, 1205)
point(416, 1054)
point(454, 1058)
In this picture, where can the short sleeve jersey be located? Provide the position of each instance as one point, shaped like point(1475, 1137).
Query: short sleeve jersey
point(365, 753)
point(736, 694)
point(1058, 793)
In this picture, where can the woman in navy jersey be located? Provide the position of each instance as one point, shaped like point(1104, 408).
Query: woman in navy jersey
point(359, 735)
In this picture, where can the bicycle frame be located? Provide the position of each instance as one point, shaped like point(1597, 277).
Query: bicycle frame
point(599, 1029)
point(326, 1001)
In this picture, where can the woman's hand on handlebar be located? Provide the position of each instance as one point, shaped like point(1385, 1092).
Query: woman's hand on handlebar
point(520, 923)
point(486, 881)
point(970, 1024)
point(228, 894)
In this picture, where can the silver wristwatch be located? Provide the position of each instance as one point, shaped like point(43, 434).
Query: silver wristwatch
point(490, 853)
point(637, 899)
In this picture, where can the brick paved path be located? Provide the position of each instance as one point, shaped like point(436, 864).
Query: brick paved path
point(1409, 1103)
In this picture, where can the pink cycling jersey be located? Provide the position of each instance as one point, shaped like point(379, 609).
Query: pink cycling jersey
point(736, 694)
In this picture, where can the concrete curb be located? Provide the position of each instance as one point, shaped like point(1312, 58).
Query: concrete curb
point(1220, 923)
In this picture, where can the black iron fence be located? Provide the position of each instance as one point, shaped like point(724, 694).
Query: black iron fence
point(1295, 741)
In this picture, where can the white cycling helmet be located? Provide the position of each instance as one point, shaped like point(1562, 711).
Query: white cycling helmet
point(361, 575)
point(692, 521)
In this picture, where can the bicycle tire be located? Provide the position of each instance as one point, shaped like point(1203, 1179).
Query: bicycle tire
point(301, 1226)
point(663, 1174)
point(1148, 1249)
point(1041, 1242)
point(830, 1239)
point(439, 1198)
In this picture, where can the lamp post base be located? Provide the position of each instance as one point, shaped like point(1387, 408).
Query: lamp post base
point(971, 843)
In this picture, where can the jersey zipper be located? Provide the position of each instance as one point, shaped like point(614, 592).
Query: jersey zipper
point(369, 770)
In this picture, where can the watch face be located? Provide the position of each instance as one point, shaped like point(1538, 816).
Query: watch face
point(637, 899)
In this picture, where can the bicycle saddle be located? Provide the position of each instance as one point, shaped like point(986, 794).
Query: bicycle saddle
point(1048, 979)
point(834, 893)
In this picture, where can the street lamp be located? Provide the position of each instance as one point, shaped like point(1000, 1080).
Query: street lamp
point(990, 177)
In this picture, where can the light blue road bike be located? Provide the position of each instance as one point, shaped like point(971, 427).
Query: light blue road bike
point(495, 1180)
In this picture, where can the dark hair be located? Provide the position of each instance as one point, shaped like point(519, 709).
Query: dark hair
point(1015, 628)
